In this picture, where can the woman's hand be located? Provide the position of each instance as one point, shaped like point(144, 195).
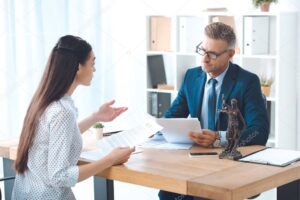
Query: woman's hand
point(115, 157)
point(107, 113)
point(120, 155)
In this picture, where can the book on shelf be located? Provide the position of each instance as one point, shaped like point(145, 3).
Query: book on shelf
point(156, 69)
point(256, 35)
point(165, 87)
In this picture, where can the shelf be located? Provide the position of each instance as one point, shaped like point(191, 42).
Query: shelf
point(171, 53)
point(161, 91)
point(256, 56)
point(273, 99)
point(258, 13)
point(195, 54)
point(226, 13)
point(272, 63)
point(160, 52)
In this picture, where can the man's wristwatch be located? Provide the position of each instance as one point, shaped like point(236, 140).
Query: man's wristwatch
point(217, 142)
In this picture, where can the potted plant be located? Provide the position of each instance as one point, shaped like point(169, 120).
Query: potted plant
point(266, 84)
point(263, 4)
point(98, 130)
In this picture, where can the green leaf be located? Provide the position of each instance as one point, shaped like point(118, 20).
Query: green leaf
point(98, 125)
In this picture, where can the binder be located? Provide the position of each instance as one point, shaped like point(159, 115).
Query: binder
point(160, 33)
point(190, 33)
point(256, 34)
point(163, 102)
point(158, 103)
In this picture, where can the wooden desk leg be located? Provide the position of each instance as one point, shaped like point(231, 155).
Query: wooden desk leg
point(289, 191)
point(9, 184)
point(103, 189)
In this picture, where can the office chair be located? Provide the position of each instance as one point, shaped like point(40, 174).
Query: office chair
point(265, 100)
point(5, 179)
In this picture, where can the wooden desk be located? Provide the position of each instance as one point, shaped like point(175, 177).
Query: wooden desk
point(209, 177)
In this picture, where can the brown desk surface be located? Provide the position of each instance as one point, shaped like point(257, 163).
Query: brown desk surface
point(174, 170)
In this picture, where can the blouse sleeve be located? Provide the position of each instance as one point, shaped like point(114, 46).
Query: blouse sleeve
point(62, 171)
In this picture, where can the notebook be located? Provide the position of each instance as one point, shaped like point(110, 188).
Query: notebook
point(273, 156)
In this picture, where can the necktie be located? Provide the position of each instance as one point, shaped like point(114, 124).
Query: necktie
point(212, 100)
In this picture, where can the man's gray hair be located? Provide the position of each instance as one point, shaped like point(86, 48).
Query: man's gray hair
point(221, 31)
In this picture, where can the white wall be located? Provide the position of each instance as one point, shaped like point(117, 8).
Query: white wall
point(298, 80)
point(295, 5)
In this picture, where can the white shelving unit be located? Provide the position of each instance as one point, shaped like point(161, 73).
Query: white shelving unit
point(279, 61)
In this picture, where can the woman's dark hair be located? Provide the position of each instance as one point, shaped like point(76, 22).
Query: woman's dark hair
point(59, 74)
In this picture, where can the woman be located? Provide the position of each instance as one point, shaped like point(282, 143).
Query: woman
point(50, 142)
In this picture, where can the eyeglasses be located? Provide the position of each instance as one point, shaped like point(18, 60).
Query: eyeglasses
point(210, 54)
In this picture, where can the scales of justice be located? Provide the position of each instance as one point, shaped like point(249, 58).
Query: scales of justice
point(233, 132)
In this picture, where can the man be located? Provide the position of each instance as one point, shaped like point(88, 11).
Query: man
point(203, 88)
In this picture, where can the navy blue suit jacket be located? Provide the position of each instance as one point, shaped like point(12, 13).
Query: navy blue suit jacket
point(238, 83)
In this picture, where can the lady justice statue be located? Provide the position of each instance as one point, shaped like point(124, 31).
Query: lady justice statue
point(233, 132)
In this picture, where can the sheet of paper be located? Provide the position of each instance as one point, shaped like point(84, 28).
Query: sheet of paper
point(173, 146)
point(176, 130)
point(145, 127)
point(97, 154)
point(273, 156)
point(152, 143)
point(158, 142)
point(92, 155)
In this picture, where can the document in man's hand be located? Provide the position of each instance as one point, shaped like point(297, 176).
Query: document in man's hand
point(273, 156)
point(176, 130)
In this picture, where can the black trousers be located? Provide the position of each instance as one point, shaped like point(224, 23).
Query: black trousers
point(164, 195)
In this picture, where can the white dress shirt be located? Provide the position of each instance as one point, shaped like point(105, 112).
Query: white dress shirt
point(53, 156)
point(204, 111)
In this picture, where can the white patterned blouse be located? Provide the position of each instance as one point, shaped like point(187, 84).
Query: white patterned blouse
point(52, 159)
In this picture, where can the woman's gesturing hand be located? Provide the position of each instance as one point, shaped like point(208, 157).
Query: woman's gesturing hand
point(107, 113)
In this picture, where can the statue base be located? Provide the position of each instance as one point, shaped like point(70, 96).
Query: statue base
point(232, 155)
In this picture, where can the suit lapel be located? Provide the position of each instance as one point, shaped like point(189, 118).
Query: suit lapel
point(199, 89)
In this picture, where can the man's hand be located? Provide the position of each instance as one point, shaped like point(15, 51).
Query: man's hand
point(204, 138)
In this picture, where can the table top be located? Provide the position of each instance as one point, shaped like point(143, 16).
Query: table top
point(175, 171)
